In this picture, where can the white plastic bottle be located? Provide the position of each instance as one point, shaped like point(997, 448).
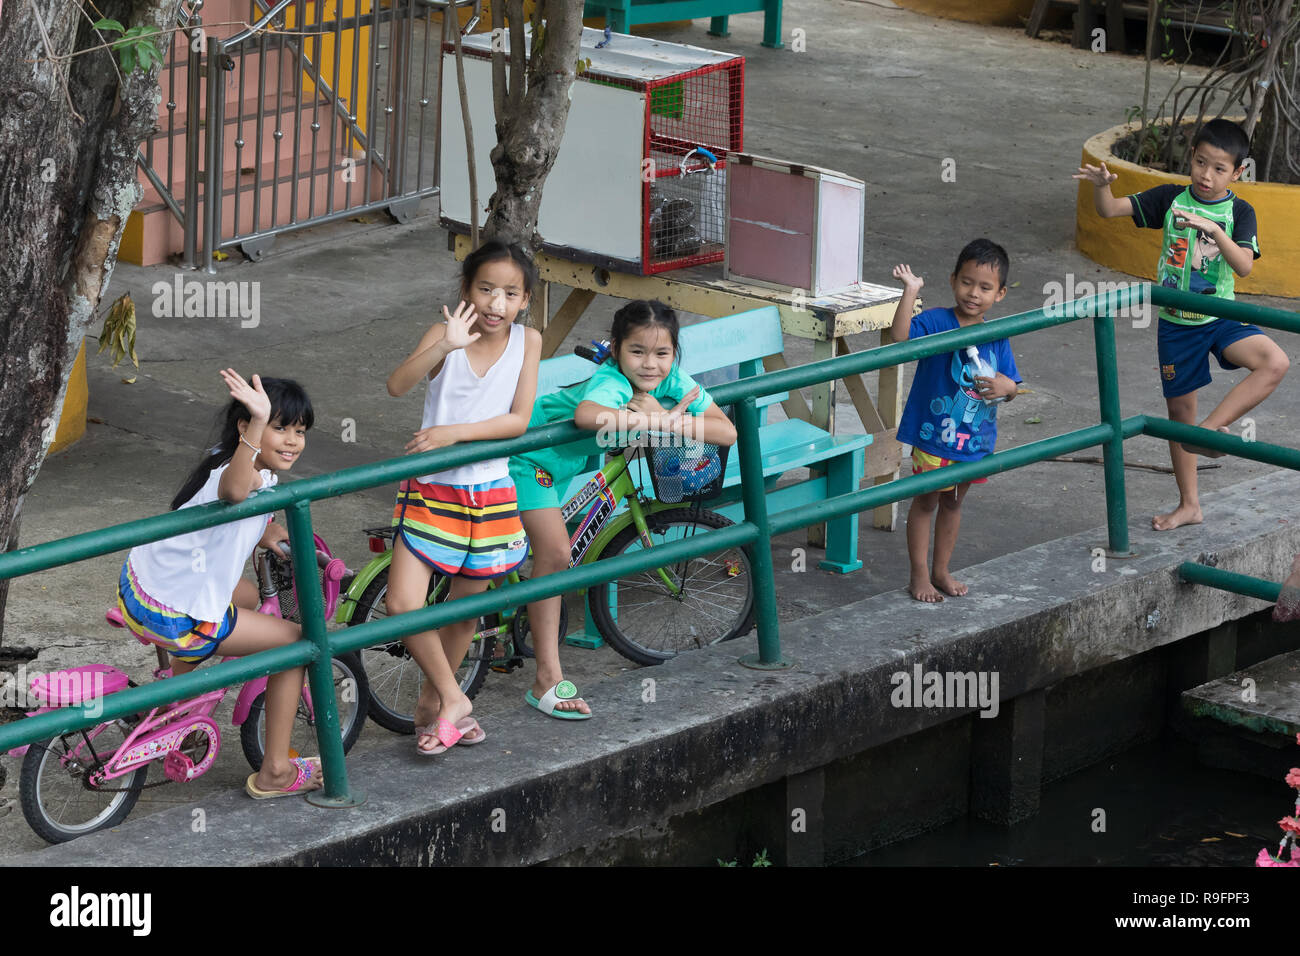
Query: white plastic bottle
point(983, 370)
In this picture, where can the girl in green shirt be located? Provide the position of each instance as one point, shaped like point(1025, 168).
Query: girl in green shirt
point(641, 387)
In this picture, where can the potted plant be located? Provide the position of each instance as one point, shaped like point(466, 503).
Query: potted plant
point(1254, 81)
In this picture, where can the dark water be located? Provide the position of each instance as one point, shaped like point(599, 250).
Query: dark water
point(1161, 809)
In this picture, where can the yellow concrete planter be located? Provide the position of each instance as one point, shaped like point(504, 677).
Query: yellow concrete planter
point(1003, 13)
point(72, 421)
point(1119, 245)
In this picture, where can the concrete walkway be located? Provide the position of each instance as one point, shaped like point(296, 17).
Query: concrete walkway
point(884, 95)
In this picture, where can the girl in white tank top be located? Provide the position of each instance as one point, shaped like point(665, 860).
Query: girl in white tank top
point(463, 522)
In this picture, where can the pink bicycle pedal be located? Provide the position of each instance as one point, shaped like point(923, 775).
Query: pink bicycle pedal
point(178, 767)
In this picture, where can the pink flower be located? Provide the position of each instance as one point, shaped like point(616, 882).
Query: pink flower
point(1293, 778)
point(1266, 859)
point(1290, 824)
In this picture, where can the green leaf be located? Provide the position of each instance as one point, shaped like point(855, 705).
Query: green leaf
point(127, 57)
point(107, 24)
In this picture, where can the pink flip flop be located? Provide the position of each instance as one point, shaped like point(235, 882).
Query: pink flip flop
point(464, 731)
point(308, 769)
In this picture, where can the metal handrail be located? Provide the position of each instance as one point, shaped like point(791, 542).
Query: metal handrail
point(255, 28)
point(754, 533)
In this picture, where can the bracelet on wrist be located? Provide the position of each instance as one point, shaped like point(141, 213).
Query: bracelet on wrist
point(256, 451)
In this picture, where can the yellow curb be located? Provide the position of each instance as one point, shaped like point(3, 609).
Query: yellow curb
point(1119, 245)
point(1005, 13)
point(72, 420)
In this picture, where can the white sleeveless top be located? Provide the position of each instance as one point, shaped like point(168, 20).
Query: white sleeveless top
point(457, 396)
point(196, 573)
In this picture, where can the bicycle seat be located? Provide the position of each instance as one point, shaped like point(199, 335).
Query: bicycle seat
point(114, 617)
point(76, 685)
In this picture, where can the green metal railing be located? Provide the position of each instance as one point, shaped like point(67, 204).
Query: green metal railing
point(754, 533)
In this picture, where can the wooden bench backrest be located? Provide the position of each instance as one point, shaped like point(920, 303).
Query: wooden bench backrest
point(742, 339)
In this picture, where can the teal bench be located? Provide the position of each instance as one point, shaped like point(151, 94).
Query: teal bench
point(743, 341)
point(621, 15)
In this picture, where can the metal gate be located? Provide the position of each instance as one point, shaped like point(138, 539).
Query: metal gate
point(318, 110)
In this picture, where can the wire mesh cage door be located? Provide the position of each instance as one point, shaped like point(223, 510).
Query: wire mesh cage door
point(687, 222)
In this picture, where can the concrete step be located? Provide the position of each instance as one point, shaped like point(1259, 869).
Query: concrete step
point(1247, 720)
point(1264, 699)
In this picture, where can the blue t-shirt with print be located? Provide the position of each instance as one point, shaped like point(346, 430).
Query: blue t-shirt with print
point(945, 416)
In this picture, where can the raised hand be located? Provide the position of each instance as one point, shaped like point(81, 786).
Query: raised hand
point(911, 281)
point(252, 397)
point(1097, 176)
point(459, 324)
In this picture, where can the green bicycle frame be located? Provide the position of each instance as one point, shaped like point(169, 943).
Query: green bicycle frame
point(615, 481)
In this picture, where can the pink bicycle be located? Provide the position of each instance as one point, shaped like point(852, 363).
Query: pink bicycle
point(89, 780)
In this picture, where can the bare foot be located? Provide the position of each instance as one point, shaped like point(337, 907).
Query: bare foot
point(1205, 452)
point(1180, 516)
point(924, 590)
point(427, 706)
point(1288, 602)
point(949, 585)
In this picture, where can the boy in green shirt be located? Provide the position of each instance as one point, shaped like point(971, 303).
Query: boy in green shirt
point(1209, 238)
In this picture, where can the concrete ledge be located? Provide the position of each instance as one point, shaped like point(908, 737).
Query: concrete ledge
point(702, 729)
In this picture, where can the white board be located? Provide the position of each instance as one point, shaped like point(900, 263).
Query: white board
point(592, 197)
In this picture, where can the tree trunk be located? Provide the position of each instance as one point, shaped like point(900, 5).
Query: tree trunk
point(69, 131)
point(529, 132)
point(1274, 162)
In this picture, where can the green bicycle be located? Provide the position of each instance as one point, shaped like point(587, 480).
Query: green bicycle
point(648, 617)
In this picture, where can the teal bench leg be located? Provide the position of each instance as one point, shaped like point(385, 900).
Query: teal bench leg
point(842, 533)
point(772, 24)
point(718, 27)
point(590, 637)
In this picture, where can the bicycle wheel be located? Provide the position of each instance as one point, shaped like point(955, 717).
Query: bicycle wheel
point(351, 694)
point(650, 623)
point(58, 803)
point(395, 677)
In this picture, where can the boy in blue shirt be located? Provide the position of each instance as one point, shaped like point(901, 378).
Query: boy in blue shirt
point(1209, 234)
point(946, 419)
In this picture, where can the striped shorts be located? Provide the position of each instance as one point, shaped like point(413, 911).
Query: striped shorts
point(923, 461)
point(471, 530)
point(181, 636)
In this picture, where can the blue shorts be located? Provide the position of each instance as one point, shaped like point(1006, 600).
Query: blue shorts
point(1185, 352)
point(184, 637)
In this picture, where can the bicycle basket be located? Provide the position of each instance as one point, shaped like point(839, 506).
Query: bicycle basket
point(689, 471)
point(282, 578)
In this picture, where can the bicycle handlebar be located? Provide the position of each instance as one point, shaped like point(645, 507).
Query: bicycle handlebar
point(322, 559)
point(596, 355)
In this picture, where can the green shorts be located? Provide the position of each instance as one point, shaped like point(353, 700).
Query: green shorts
point(537, 484)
